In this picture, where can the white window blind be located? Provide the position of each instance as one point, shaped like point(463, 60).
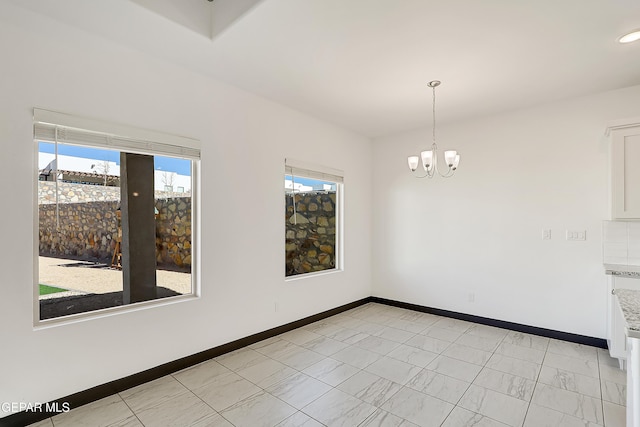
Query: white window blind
point(51, 126)
point(306, 170)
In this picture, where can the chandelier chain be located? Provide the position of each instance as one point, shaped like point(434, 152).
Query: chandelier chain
point(434, 114)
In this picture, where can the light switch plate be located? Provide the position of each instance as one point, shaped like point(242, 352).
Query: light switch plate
point(576, 235)
point(546, 234)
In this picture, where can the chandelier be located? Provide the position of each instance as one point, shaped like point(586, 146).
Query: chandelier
point(430, 157)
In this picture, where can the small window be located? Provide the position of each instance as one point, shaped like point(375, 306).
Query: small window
point(312, 220)
point(110, 232)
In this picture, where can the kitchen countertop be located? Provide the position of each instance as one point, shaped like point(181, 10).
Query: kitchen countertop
point(629, 301)
point(622, 270)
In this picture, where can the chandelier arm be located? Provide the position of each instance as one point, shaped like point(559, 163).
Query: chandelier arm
point(424, 176)
point(449, 173)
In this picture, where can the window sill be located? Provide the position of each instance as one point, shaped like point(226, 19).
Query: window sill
point(112, 311)
point(314, 274)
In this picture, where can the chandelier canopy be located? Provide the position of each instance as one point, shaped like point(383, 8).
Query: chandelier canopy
point(430, 157)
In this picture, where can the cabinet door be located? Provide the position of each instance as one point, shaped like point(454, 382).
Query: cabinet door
point(616, 338)
point(625, 173)
point(618, 347)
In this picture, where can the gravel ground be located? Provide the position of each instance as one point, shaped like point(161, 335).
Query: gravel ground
point(66, 305)
point(79, 280)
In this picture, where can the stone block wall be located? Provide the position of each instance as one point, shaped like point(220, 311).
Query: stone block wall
point(89, 230)
point(71, 192)
point(75, 193)
point(173, 231)
point(310, 243)
point(86, 230)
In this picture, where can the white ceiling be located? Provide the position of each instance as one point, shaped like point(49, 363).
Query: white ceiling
point(364, 64)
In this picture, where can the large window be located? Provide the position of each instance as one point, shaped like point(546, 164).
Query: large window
point(312, 219)
point(111, 229)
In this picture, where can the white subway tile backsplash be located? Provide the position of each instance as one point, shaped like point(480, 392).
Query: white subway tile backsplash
point(615, 247)
point(616, 260)
point(634, 254)
point(633, 231)
point(634, 243)
point(615, 231)
point(618, 250)
point(621, 242)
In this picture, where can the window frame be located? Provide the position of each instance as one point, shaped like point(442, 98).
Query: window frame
point(142, 141)
point(303, 169)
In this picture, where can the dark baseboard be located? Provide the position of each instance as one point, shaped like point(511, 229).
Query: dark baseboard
point(75, 400)
point(549, 333)
point(101, 391)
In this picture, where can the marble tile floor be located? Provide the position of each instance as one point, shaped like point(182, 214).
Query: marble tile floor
point(377, 365)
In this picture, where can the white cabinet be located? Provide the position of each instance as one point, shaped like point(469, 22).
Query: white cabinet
point(633, 382)
point(625, 169)
point(616, 337)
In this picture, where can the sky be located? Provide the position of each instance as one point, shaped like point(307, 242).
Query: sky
point(306, 181)
point(179, 166)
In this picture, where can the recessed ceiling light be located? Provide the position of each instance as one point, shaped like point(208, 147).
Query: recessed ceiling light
point(630, 37)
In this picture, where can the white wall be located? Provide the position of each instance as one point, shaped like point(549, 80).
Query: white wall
point(436, 241)
point(244, 142)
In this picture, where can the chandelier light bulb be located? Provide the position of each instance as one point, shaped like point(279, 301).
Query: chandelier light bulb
point(450, 156)
point(413, 163)
point(456, 161)
point(427, 159)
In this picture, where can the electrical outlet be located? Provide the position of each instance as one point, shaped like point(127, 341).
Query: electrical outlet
point(472, 297)
point(546, 234)
point(576, 235)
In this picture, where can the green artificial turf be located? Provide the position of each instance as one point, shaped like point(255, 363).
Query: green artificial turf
point(44, 290)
